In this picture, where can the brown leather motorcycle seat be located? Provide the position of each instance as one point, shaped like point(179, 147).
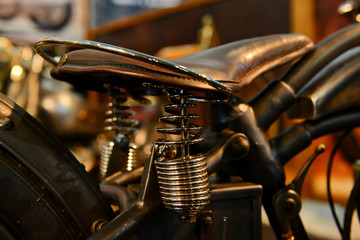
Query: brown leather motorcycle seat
point(216, 72)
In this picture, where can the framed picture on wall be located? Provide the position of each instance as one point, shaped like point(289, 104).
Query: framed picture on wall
point(23, 20)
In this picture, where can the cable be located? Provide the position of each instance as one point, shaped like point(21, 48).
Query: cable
point(329, 167)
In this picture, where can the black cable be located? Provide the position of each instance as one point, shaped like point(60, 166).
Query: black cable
point(329, 167)
point(350, 208)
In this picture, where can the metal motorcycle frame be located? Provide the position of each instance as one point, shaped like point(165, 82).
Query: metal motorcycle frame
point(236, 142)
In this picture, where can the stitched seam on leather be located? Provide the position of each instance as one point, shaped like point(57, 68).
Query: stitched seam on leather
point(274, 59)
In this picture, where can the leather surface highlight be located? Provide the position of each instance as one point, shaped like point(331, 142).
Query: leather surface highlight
point(233, 65)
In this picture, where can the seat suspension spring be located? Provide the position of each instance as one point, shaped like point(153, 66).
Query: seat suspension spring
point(183, 179)
point(119, 130)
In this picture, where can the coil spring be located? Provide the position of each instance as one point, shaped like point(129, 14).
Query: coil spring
point(107, 149)
point(183, 180)
point(119, 129)
point(117, 116)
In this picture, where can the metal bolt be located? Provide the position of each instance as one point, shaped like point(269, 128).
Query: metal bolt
point(167, 151)
point(208, 220)
point(290, 204)
point(188, 219)
point(240, 145)
point(121, 141)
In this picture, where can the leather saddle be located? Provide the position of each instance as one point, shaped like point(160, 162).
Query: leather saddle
point(214, 74)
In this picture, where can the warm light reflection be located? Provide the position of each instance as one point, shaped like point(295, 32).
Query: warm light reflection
point(27, 54)
point(65, 100)
point(346, 7)
point(357, 18)
point(16, 73)
point(48, 104)
point(249, 56)
point(37, 64)
point(131, 158)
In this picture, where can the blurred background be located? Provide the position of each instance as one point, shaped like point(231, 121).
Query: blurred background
point(166, 28)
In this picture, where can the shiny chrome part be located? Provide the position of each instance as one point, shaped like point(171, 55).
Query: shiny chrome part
point(106, 152)
point(225, 220)
point(119, 130)
point(132, 160)
point(97, 225)
point(183, 180)
point(184, 185)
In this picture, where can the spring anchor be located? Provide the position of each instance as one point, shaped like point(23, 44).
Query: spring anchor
point(119, 130)
point(183, 179)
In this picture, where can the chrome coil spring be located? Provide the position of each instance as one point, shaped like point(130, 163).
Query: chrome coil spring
point(117, 116)
point(107, 149)
point(132, 160)
point(119, 129)
point(183, 179)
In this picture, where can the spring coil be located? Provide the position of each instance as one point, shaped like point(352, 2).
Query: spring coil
point(119, 129)
point(117, 116)
point(106, 152)
point(132, 158)
point(183, 180)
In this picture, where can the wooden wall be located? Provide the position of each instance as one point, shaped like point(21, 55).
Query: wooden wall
point(234, 20)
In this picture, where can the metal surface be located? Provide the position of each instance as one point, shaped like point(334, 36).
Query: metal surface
point(299, 136)
point(123, 178)
point(259, 165)
point(235, 148)
point(287, 202)
point(184, 185)
point(183, 179)
point(235, 210)
point(324, 52)
point(120, 130)
point(271, 102)
point(142, 211)
point(277, 97)
point(334, 88)
point(207, 226)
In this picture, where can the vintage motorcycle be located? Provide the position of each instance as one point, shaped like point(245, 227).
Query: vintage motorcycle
point(193, 184)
